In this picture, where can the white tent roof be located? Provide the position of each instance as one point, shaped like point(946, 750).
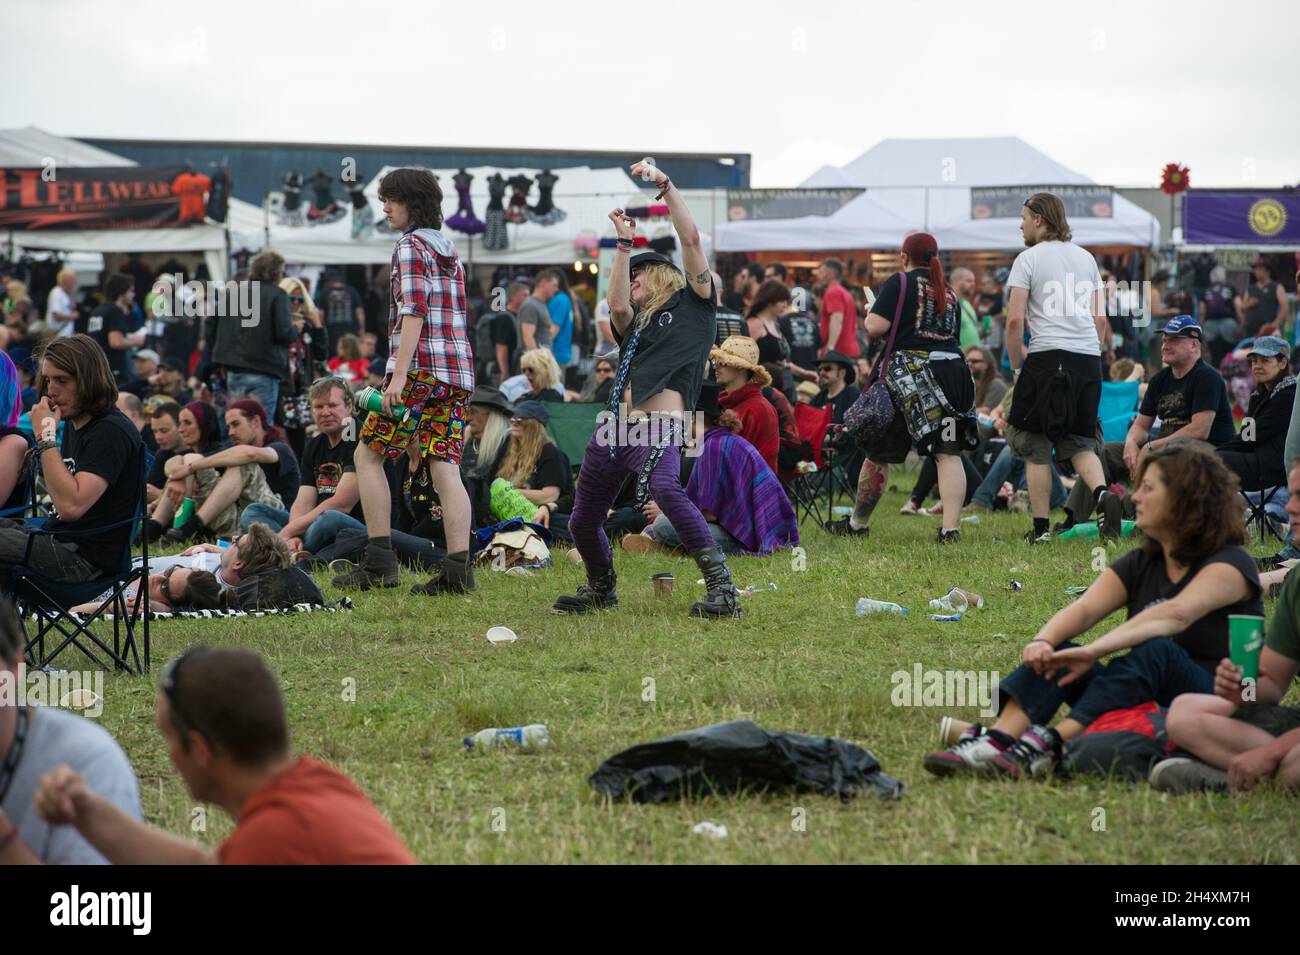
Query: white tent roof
point(585, 194)
point(33, 147)
point(925, 184)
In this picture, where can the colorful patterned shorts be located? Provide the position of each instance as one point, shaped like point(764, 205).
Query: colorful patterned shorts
point(435, 415)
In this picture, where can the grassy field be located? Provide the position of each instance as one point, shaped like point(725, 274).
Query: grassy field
point(800, 660)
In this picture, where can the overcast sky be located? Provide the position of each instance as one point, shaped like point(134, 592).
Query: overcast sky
point(1111, 89)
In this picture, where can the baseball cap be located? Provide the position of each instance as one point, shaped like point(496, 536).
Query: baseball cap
point(532, 409)
point(378, 367)
point(1182, 326)
point(1269, 346)
point(148, 354)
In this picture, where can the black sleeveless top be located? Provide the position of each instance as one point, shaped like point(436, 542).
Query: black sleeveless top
point(673, 348)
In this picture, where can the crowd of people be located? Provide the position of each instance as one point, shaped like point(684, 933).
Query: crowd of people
point(247, 443)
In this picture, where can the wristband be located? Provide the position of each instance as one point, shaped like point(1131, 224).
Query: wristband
point(1041, 640)
point(664, 187)
point(623, 248)
point(46, 445)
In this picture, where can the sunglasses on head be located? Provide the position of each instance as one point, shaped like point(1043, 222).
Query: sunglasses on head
point(168, 683)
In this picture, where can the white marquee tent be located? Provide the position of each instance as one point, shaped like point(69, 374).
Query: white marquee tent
point(925, 184)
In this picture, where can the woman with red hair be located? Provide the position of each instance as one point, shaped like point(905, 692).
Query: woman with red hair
point(931, 387)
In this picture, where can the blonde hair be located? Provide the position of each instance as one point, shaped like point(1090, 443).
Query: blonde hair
point(349, 347)
point(542, 363)
point(17, 291)
point(295, 284)
point(525, 451)
point(661, 282)
point(496, 432)
point(263, 549)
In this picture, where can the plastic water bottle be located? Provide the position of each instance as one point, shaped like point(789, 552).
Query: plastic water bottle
point(525, 737)
point(866, 606)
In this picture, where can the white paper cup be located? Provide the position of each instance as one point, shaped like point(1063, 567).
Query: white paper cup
point(502, 635)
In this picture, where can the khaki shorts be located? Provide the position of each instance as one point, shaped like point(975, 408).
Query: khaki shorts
point(253, 489)
point(1037, 448)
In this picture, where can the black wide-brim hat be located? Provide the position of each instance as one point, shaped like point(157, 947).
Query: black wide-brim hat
point(642, 259)
point(492, 398)
point(708, 401)
point(839, 358)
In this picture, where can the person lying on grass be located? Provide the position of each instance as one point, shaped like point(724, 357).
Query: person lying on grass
point(176, 587)
point(1241, 734)
point(1179, 587)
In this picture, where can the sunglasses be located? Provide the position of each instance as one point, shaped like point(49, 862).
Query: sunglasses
point(297, 299)
point(604, 370)
point(166, 585)
point(827, 368)
point(168, 684)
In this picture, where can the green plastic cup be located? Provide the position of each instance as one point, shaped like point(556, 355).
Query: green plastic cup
point(1245, 642)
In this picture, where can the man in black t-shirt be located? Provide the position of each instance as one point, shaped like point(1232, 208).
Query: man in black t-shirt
point(93, 480)
point(1191, 401)
point(801, 330)
point(342, 307)
point(505, 334)
point(328, 498)
point(110, 325)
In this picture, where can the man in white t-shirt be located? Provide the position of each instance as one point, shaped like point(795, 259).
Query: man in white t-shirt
point(1057, 287)
point(60, 310)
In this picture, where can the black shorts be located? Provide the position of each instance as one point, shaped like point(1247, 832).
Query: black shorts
point(1036, 376)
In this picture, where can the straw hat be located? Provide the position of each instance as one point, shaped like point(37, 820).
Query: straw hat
point(741, 351)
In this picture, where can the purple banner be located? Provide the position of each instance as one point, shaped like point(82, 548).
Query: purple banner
point(1241, 218)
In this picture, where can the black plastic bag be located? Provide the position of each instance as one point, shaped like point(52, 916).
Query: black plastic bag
point(729, 757)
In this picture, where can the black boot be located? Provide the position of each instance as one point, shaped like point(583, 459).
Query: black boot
point(597, 593)
point(378, 569)
point(455, 576)
point(153, 531)
point(720, 601)
point(192, 529)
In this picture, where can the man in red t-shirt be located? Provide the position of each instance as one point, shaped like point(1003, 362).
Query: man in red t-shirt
point(839, 316)
point(222, 715)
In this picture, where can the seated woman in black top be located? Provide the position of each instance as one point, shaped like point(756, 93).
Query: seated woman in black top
point(1179, 588)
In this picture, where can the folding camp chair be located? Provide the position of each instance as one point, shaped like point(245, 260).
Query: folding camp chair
point(46, 604)
point(1258, 516)
point(812, 493)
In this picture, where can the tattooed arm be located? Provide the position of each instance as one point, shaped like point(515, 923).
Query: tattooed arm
point(688, 234)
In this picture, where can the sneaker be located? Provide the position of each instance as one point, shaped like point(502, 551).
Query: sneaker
point(1044, 538)
point(1181, 774)
point(1036, 753)
point(1110, 516)
point(342, 565)
point(950, 730)
point(842, 528)
point(910, 509)
point(949, 537)
point(974, 751)
point(934, 510)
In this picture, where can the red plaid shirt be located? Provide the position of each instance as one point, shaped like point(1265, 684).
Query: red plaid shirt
point(431, 284)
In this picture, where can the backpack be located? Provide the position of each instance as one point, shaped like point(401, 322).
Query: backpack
point(280, 589)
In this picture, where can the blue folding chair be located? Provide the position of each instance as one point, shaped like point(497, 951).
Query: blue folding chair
point(1118, 408)
point(47, 603)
